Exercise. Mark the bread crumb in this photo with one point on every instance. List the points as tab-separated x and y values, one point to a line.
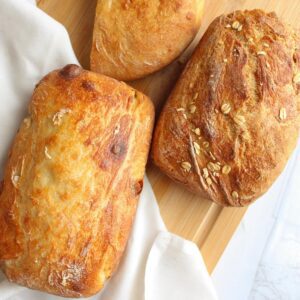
296	78
226	169
282	113
197	131
235	25
208	181
192	109
27	122
117	129
206	145
226	108
213	167
57	118
47	153
97	47
186	166
205	173
212	156
235	195
262	53
15	179
239	120
196	148
195	96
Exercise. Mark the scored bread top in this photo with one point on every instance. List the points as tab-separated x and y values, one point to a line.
133	38
72	182
232	120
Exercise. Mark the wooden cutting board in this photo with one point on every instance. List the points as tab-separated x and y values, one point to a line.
185	214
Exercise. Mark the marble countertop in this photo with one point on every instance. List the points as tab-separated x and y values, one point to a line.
262	261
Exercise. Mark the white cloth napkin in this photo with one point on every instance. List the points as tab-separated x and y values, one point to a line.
157	265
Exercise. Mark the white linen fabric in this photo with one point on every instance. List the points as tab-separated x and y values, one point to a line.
157	265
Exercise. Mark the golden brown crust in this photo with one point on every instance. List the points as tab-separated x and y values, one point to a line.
72	182
232	121
133	38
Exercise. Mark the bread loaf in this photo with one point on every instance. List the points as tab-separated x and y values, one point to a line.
232	121
133	38
72	182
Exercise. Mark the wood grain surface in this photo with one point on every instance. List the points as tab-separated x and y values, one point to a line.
185	214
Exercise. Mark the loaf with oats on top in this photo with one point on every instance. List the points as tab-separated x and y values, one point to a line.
232	120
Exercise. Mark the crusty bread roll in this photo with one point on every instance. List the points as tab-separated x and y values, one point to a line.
72	182
232	121
133	38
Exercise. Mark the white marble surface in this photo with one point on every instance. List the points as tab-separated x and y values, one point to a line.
262	261
278	274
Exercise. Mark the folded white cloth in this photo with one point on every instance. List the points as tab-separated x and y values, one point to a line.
157	265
